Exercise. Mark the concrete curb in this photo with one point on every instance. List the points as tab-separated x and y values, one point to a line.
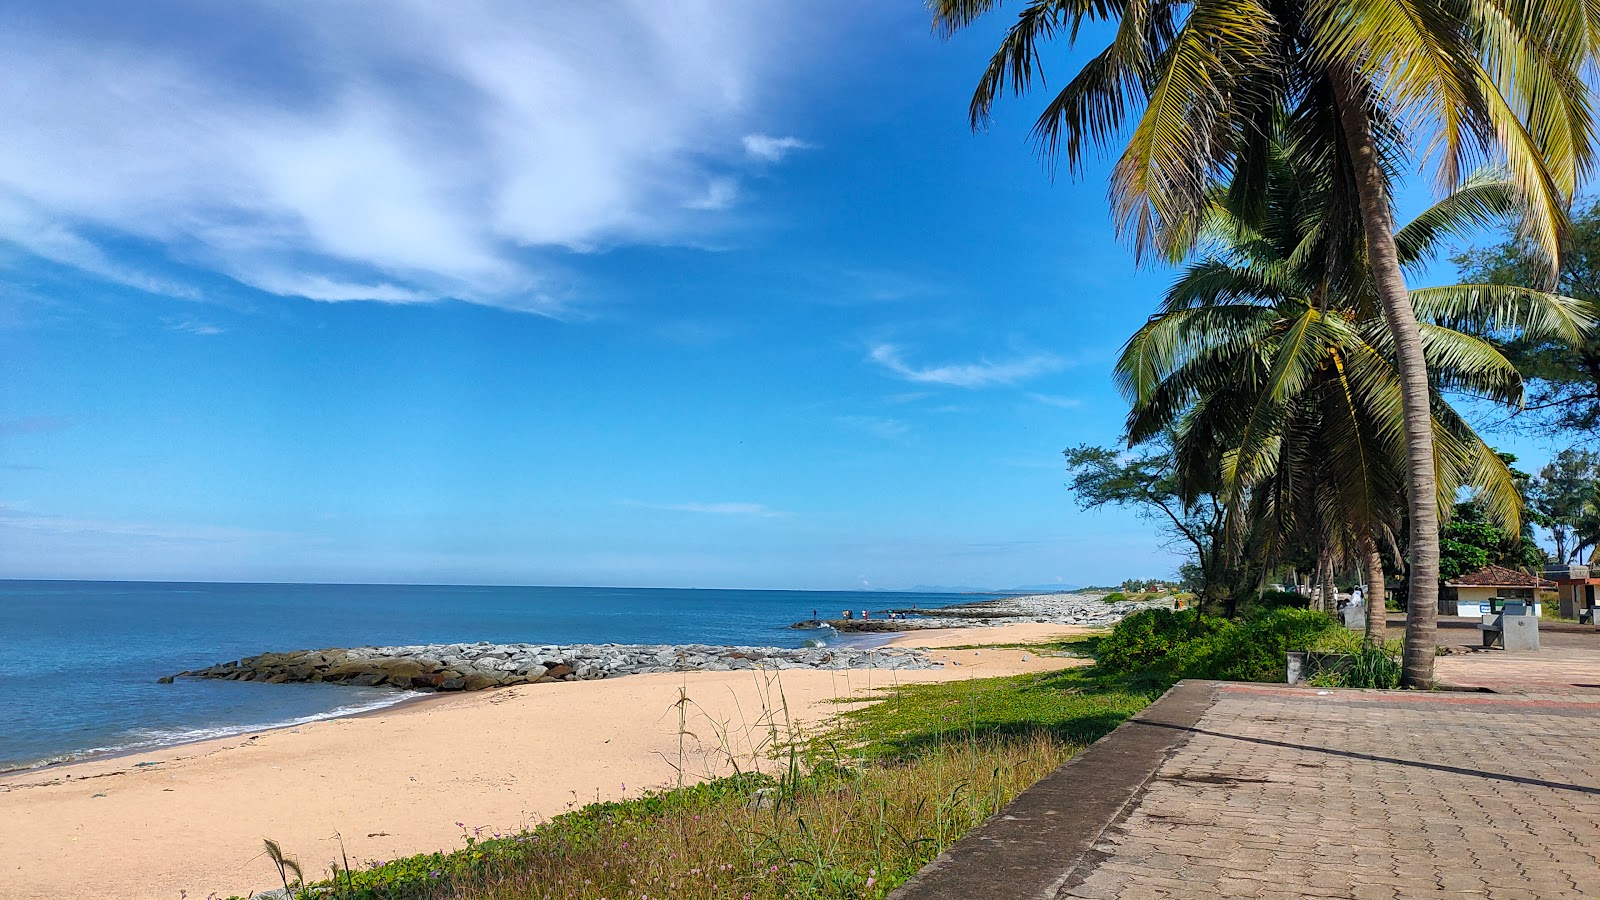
1044	840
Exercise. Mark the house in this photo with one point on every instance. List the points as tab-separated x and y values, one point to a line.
1469	594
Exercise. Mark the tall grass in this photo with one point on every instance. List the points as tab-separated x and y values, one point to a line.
851	811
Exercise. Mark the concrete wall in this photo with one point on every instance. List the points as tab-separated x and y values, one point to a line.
1465	601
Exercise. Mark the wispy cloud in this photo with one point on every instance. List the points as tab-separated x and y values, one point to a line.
756	510
1056	400
439	156
720	193
194	326
19	517
772	149
877	426
978	374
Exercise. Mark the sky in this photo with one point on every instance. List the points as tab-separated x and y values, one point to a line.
698	294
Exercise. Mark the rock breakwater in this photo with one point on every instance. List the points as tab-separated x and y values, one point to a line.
474	667
1085	609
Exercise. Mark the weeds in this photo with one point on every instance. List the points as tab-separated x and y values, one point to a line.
284	865
849	812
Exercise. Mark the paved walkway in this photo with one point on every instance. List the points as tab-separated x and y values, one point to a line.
1552	670
1234	790
1282	793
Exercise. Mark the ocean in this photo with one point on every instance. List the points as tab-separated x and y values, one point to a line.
79	659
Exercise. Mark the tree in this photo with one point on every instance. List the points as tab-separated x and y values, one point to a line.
1563	376
1263	369
1473	540
1565	498
1147	481
1196	82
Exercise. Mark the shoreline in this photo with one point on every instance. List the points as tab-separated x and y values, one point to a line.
913	637
845	643
395	780
96	755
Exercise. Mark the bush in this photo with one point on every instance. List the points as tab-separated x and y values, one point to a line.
1147	638
1189	644
1115	597
1280	600
1365	666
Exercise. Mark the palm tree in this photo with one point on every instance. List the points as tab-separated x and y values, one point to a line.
1199	82
1277	384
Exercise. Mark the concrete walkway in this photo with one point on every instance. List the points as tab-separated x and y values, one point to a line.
1235	790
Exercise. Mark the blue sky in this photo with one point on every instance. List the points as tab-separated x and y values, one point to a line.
700	294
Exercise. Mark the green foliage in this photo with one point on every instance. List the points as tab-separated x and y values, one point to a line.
1077	706
1359	666
1565	499
1563	376
1153	484
1115	597
1471	541
887	790
1270	599
1144	640
1189	644
1143	585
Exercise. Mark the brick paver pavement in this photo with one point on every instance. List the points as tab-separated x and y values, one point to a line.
1286	792
1545	671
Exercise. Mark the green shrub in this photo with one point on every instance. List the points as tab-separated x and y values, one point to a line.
1115	597
1279	600
1148	638
1365	666
1188	644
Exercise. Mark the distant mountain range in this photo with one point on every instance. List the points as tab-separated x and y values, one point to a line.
967	589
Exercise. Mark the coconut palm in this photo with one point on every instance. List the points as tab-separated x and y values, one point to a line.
1275	373
1197	84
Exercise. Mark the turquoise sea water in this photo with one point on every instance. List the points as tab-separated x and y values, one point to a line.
79	659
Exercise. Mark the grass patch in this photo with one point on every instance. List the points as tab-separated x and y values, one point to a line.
857	809
1072	706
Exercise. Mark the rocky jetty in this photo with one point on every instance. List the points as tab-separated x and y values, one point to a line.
1087	609
473	667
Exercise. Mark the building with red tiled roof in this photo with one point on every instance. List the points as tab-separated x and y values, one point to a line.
1469	594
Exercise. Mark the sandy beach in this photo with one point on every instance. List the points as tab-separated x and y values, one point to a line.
188	821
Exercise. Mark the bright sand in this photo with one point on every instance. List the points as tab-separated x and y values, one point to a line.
191	818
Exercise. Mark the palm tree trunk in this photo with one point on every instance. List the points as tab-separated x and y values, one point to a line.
1324	576
1376	599
1377	219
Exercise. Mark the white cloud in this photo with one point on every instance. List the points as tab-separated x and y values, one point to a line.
772	149
878	426
979	374
719	194
394	151
756	510
1056	400
194	326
